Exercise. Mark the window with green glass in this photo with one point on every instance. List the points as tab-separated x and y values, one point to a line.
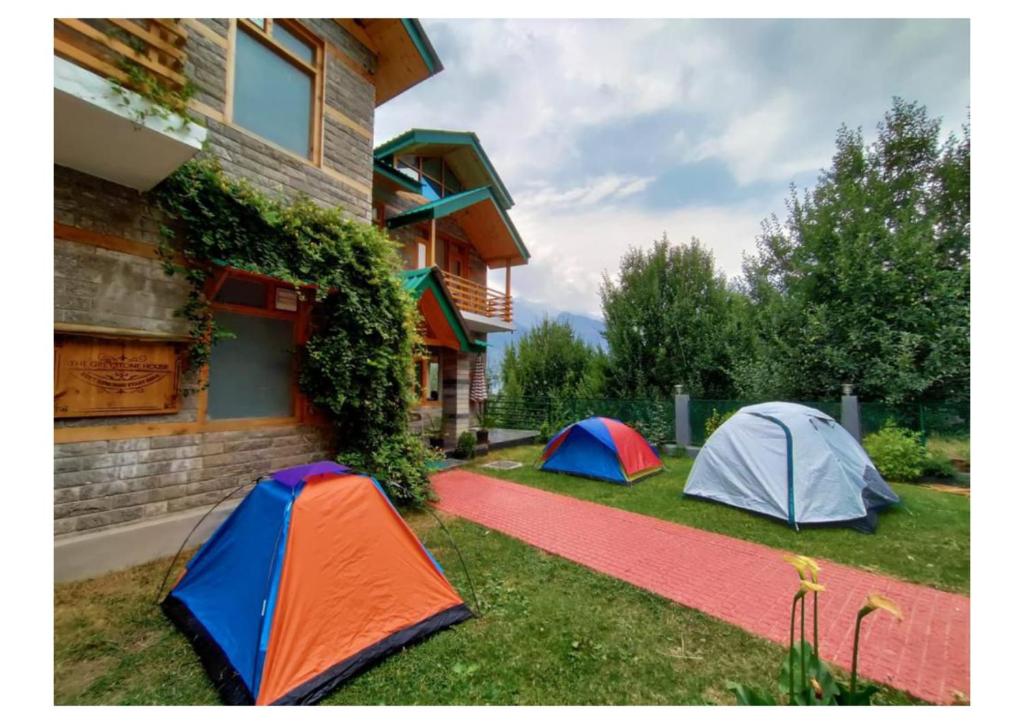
273	95
251	373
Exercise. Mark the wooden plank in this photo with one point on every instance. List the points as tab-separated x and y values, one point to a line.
229	77
358	32
206	31
167	73
344	120
93	433
347	180
110	242
67	50
208	111
93	330
172	26
150	38
352	64
103	377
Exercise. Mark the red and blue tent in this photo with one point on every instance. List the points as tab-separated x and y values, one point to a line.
312	578
601	448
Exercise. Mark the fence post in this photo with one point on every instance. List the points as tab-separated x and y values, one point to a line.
849	410
683	436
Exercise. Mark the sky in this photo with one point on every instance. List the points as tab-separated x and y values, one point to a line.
610	133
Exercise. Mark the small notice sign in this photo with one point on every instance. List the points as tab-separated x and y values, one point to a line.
286	300
104	377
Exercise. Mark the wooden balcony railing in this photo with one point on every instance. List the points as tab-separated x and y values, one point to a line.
478	299
103	45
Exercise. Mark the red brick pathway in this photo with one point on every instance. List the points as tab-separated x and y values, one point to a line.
745	584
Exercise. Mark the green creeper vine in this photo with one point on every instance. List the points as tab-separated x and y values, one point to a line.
357	366
166	101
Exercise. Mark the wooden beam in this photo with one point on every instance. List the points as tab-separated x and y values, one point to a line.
508	277
93	330
358	32
206	31
432	246
344	120
109	242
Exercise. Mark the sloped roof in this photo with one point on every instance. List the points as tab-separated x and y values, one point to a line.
482	216
419	281
460	149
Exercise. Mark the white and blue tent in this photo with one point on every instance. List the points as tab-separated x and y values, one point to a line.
790	462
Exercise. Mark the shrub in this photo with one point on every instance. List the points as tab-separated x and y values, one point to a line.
938	466
465	446
545	433
715	420
399	463
897	452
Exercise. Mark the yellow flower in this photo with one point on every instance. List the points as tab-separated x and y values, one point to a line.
818	692
806	568
876	600
810	587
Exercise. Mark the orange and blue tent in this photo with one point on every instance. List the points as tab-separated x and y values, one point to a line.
601	448
313	578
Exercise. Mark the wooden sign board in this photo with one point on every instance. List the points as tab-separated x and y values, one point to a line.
104	377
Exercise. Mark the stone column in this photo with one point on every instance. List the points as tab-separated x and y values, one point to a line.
683	436
849	410
455	371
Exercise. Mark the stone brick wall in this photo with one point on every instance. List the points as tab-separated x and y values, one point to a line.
110	482
273	170
455	368
105	483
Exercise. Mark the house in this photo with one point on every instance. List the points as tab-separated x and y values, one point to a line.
440	196
286	104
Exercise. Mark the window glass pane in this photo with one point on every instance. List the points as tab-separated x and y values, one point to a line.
251	375
432	168
421	255
293	42
272	97
431	189
434	379
452	185
250	292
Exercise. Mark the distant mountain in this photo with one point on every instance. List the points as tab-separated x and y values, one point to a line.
527	314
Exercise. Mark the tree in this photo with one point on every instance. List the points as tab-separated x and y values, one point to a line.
868	278
670	319
550	361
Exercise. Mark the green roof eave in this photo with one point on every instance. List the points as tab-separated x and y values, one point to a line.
396	177
423	46
456	202
418	281
427	136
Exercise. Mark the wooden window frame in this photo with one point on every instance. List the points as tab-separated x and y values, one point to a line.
301	410
315	70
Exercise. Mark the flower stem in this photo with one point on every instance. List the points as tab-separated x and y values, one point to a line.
816	623
792	664
856	651
803	638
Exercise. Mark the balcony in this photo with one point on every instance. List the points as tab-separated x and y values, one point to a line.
111	130
483	308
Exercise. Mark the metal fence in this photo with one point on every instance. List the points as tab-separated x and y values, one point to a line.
927	418
654	419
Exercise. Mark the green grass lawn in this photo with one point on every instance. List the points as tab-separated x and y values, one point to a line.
925	541
552	633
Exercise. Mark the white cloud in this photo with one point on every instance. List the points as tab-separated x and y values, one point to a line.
608	187
570	250
558	104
